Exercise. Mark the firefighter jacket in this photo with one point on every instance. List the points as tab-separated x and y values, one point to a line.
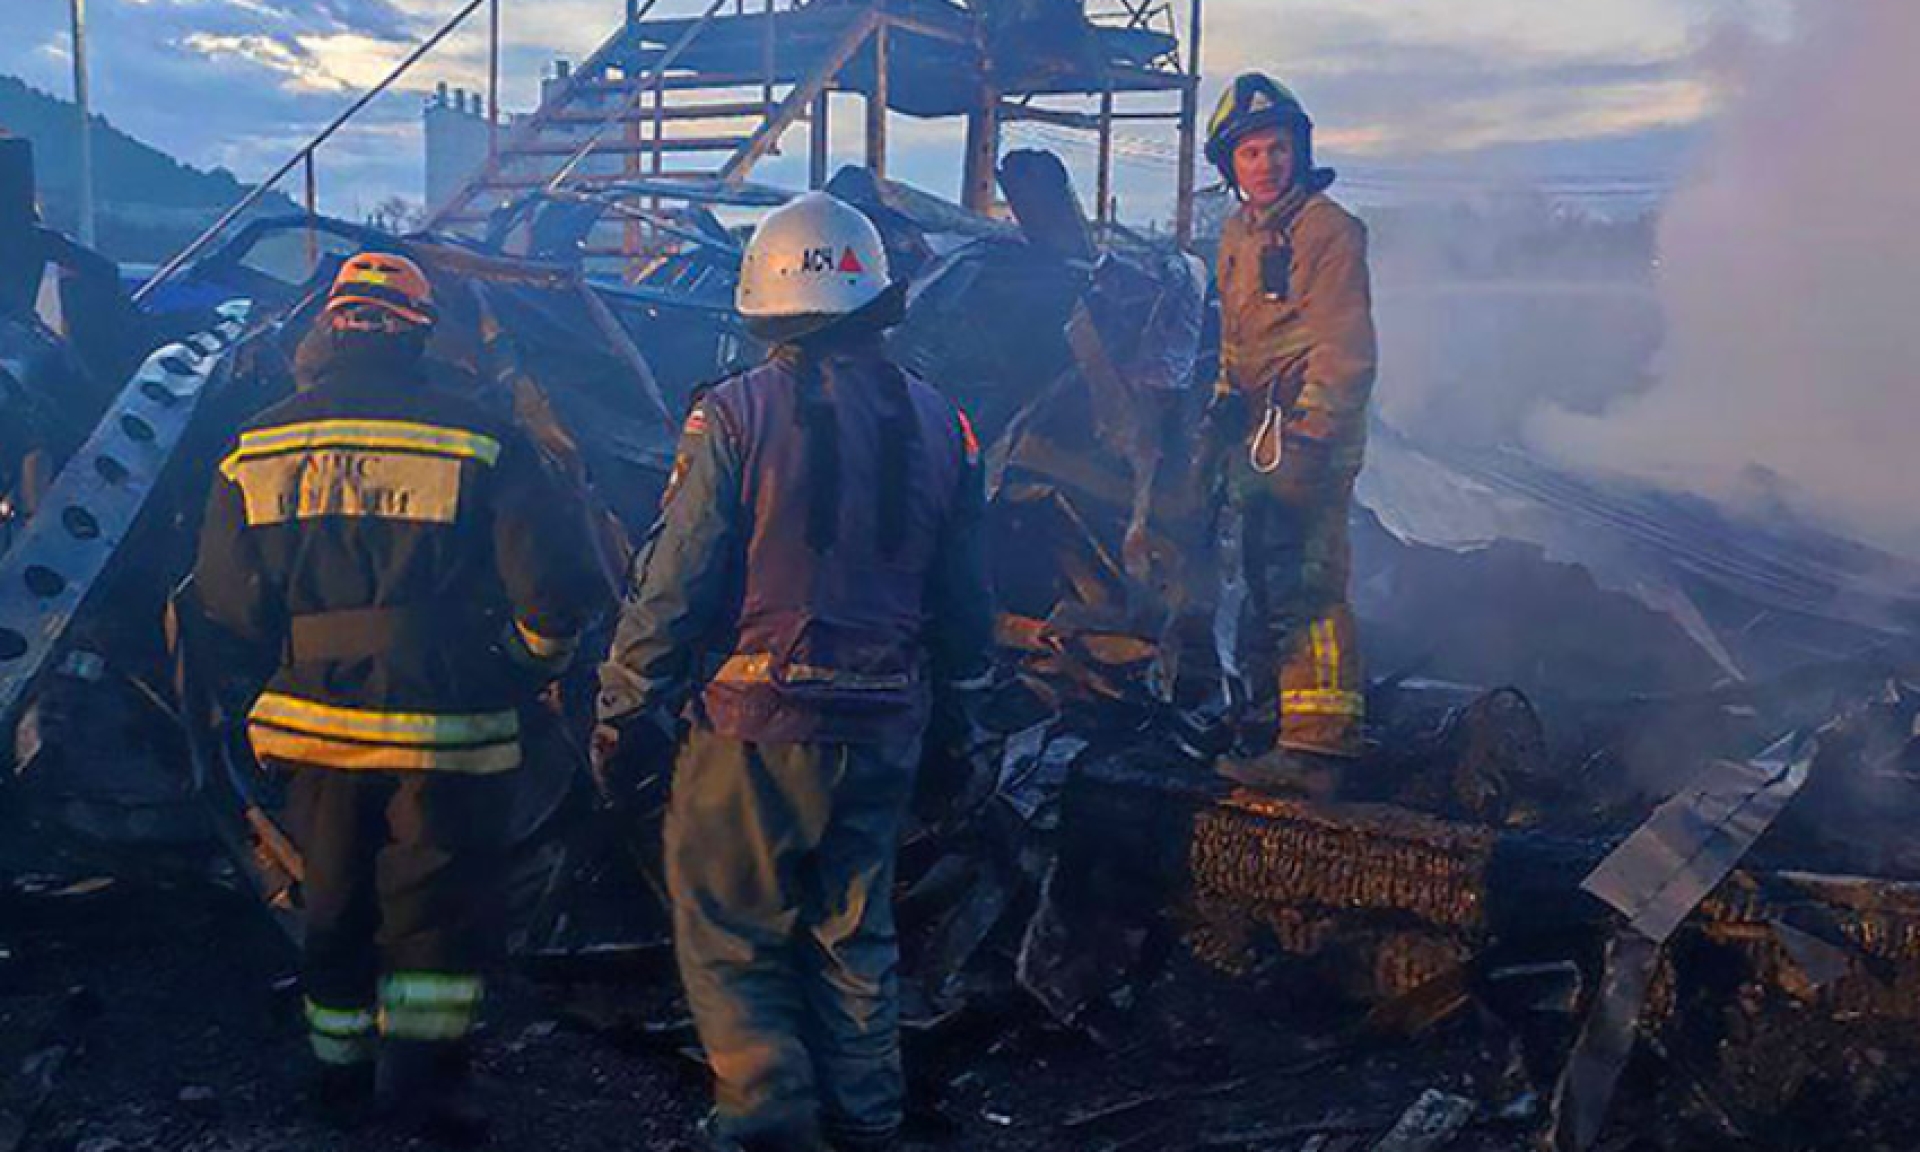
1297	339
409	557
770	590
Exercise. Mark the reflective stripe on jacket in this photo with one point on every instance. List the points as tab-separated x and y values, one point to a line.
407	558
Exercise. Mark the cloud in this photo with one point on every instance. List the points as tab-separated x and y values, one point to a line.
338	62
1398	80
241	82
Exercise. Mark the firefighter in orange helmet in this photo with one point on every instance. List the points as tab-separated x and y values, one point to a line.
398	549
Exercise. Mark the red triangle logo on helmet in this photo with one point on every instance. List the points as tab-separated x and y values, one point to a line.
850	263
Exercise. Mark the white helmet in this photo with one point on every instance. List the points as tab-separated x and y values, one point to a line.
813	262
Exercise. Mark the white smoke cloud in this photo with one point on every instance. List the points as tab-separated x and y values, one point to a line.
1790	281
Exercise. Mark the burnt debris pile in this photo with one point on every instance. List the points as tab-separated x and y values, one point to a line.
1639	768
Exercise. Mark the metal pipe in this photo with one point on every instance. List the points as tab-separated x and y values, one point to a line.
1189	131
313	216
983	155
493	78
1103	210
656	78
172	267
767	58
878	101
820	146
83	106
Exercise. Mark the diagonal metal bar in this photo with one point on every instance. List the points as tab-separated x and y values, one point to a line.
799	99
653	77
541	119
173	266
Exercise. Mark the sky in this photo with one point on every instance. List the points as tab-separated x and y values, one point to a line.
1603	86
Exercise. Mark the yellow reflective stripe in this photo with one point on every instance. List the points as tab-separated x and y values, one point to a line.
339	1022
428	1005
336	1051
349	756
1323	702
1331	644
367	434
430	989
411	729
547	647
758	669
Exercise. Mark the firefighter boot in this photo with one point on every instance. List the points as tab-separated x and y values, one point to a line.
1286	773
426	1089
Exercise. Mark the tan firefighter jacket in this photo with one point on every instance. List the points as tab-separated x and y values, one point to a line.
1297	325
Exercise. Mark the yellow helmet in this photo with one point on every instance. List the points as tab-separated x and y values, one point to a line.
1253	102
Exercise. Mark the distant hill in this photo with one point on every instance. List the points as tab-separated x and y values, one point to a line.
149	205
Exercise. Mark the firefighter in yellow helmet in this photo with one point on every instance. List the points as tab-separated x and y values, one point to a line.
1289	426
398	550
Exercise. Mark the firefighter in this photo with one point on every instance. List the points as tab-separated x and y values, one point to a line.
1297	368
815	586
399	551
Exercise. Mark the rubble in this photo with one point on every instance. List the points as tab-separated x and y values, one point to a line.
1596	815
1429	1123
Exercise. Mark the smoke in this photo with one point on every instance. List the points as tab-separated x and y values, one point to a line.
1790	283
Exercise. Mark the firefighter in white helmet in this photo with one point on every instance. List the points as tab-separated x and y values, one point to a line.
815	584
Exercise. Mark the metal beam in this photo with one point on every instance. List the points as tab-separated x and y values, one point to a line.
53	569
983	156
878	100
576	81
820	146
493	78
1103	210
1189	133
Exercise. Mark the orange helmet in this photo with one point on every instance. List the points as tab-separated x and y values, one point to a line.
393	284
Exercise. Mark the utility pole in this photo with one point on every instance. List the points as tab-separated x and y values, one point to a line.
82	105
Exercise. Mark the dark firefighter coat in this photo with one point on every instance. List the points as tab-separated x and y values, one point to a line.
410	559
789	613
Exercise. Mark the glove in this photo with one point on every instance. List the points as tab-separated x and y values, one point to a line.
1223	429
628	752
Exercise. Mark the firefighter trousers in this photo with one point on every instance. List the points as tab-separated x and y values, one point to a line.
1298	628
403	899
780	861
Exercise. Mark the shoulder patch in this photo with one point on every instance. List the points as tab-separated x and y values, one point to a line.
694	429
